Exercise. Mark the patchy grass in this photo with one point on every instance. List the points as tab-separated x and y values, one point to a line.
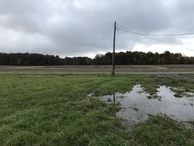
54	110
149	85
192	123
180	86
190	75
161	130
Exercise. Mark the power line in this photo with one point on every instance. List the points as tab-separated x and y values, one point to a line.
159	35
147	36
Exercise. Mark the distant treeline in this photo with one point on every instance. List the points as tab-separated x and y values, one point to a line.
141	58
28	59
121	58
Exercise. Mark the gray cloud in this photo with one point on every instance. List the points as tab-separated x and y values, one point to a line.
79	27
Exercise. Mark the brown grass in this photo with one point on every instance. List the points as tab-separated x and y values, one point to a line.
97	69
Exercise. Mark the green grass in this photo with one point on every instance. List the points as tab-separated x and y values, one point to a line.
190	75
161	130
179	86
54	110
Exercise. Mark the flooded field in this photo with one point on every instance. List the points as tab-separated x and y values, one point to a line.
52	109
137	105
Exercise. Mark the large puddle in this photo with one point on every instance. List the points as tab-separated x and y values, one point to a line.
136	106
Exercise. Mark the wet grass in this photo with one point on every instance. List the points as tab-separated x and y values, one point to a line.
192	123
161	130
54	110
190	75
180	86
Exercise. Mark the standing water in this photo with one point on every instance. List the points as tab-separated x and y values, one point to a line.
136	105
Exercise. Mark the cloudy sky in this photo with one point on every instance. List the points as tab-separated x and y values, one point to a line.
85	27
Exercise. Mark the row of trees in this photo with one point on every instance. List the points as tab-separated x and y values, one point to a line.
121	58
28	59
141	58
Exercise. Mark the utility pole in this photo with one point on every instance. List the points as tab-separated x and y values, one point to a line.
113	53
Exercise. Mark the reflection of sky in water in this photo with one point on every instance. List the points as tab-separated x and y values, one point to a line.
137	107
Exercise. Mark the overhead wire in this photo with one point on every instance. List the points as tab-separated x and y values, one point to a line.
146	36
123	28
159	35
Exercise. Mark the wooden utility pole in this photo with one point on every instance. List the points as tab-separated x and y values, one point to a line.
113	53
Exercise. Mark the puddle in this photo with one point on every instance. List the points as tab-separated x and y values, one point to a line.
136	106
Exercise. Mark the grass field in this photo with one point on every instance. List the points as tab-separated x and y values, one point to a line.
39	109
95	69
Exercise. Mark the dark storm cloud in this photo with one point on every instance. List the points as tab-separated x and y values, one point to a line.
78	27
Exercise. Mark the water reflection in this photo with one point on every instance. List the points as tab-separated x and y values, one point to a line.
114	98
136	106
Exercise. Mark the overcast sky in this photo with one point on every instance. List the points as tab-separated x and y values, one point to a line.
85	27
